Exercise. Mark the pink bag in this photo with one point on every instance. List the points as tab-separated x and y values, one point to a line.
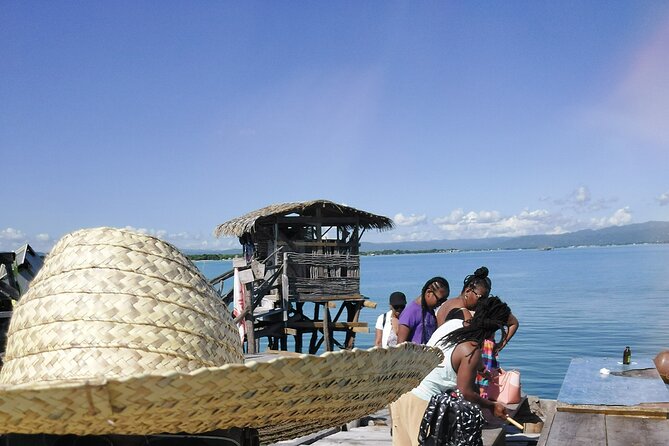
504	386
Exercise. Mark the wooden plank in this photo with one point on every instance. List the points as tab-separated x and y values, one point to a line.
571	429
246	276
493	437
313	342
626	431
327	331
285	294
239	262
322	298
359	436
353	315
325	221
655	410
248	320
319	324
548	423
258	269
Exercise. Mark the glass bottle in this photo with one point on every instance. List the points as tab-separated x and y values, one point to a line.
627	356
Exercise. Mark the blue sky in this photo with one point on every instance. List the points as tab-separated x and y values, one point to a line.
456	119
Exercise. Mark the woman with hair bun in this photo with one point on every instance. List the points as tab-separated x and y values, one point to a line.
476	286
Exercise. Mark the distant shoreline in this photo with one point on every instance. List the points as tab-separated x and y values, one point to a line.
394	252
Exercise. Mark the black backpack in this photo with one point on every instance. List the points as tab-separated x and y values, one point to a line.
451	420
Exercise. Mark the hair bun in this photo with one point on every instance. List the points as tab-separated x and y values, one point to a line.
482	272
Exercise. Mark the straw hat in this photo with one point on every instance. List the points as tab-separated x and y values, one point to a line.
119	333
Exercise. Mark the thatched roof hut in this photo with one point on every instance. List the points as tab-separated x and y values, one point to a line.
248	223
310	254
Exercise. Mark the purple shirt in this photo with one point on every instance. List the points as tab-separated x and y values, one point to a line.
411	318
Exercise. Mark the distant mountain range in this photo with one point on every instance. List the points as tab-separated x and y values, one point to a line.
649	232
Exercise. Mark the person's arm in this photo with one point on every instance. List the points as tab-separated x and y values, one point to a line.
442	313
379	337
378	341
403	333
512	325
468	357
409	320
444	309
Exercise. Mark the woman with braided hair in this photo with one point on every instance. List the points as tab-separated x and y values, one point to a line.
461	342
418	321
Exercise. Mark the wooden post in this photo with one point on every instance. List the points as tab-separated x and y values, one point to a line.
276	244
355	239
298	337
285	303
352	314
327	333
285	287
250	335
314	334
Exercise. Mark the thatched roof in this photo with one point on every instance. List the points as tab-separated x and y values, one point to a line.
248	223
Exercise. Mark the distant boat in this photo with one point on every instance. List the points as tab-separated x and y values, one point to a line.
546	248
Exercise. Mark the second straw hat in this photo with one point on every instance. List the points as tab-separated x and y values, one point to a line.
120	333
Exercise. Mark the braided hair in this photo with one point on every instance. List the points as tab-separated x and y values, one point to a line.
491	315
479	278
434	284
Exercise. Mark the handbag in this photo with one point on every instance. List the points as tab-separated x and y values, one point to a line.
504	386
451	420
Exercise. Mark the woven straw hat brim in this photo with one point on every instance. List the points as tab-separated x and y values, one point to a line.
283	398
120	333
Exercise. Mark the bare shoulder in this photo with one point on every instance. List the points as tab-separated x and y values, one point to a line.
467	348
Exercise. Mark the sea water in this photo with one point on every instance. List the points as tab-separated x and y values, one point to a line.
571	302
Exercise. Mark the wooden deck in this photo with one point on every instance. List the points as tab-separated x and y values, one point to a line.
375	431
593	410
598	429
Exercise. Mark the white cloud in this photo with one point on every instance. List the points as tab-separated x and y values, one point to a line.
484	224
582	195
454	217
43	237
663	199
190	240
409	220
412	237
183	236
160	233
620	217
581	200
12	234
11	238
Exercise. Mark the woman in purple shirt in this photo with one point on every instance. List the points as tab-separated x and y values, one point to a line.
418	321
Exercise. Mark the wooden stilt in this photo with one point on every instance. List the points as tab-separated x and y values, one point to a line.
327	333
